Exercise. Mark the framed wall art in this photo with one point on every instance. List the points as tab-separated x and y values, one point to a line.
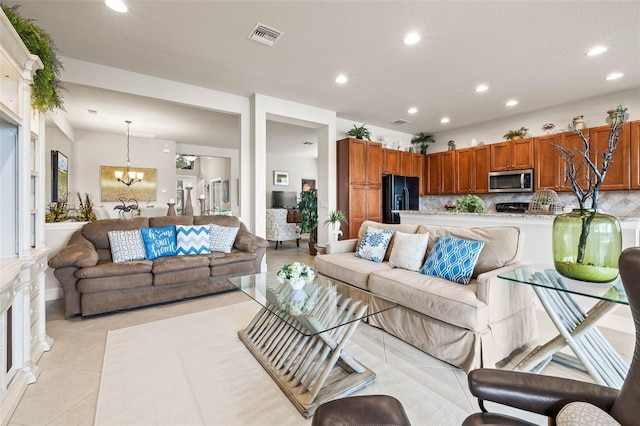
225	191
280	178
308	184
59	177
112	190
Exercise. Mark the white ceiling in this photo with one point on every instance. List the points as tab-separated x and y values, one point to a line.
532	51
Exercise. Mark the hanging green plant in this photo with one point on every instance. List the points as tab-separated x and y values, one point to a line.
46	89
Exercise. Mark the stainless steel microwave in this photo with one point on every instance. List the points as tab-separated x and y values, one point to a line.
511	181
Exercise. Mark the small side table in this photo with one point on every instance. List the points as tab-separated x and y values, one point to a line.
577	328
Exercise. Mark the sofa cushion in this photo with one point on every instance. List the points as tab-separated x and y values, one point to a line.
408	251
453	259
181	276
409	229
126	245
110	269
109	283
435	297
231	221
221	238
96	232
374	243
348	268
192	239
178	263
162	221
502	244
159	242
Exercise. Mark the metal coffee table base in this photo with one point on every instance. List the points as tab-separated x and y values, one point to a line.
310	369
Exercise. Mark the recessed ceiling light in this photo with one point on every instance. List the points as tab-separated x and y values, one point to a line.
412	38
482	88
596	50
614	76
444	120
511	102
412	110
341	79
117	5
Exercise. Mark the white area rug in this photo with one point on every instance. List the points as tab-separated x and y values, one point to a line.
193	370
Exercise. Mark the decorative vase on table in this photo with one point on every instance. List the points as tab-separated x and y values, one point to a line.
587	245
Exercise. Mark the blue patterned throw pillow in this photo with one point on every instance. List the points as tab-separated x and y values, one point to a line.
221	238
374	244
453	259
159	242
126	245
192	239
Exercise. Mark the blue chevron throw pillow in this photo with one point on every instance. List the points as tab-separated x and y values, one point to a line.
192	239
453	259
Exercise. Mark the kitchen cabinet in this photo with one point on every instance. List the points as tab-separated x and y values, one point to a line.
440	173
359	175
472	170
417	169
405	163
391	162
512	155
617	177
635	154
548	166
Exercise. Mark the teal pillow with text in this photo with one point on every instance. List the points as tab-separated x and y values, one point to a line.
159	242
453	259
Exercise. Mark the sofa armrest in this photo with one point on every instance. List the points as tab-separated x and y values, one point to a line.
536	393
343	246
79	253
246	241
492	289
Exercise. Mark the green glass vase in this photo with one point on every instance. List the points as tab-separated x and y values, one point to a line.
587	245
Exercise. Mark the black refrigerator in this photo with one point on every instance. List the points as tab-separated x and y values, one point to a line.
399	193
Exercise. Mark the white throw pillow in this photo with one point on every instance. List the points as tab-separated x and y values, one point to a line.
408	250
221	238
126	245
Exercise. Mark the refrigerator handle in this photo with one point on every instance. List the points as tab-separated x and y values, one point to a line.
405	193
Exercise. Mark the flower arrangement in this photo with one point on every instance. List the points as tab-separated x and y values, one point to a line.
297	273
85	211
57	212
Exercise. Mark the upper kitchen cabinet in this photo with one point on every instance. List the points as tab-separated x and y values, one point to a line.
635	154
512	155
391	161
472	170
617	177
440	174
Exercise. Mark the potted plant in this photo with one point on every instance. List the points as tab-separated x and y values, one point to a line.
308	206
516	134
587	244
46	89
335	218
359	132
422	140
470	204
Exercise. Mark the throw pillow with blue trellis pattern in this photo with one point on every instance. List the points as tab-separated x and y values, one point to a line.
221	238
192	239
453	259
374	244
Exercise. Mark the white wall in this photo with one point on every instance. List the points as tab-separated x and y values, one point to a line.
594	111
214	168
387	136
298	167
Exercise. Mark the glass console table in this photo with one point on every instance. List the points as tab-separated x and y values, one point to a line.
577	328
299	336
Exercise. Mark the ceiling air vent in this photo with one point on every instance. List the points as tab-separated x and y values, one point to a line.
399	122
265	35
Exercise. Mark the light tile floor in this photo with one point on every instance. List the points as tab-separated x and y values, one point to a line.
66	391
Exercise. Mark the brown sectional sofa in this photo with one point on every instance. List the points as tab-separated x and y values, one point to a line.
469	326
93	284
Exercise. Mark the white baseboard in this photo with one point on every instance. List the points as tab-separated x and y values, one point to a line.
53	294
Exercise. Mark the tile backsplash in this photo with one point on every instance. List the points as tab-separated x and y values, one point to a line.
616	203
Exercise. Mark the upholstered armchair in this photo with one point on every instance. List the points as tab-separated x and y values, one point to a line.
565	401
279	230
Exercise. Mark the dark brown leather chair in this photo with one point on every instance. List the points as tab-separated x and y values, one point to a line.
361	410
548	395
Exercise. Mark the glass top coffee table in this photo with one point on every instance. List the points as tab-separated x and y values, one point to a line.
299	336
563	299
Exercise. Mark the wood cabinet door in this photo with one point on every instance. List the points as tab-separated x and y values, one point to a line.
573	142
357	161
522	154
635	154
374	204
448	173
357	210
405	163
617	177
464	170
391	161
547	167
433	173
481	159
374	163
500	156
416	165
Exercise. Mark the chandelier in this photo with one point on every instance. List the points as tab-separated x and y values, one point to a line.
129	177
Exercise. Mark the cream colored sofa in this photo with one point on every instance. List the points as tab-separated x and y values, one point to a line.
469	326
